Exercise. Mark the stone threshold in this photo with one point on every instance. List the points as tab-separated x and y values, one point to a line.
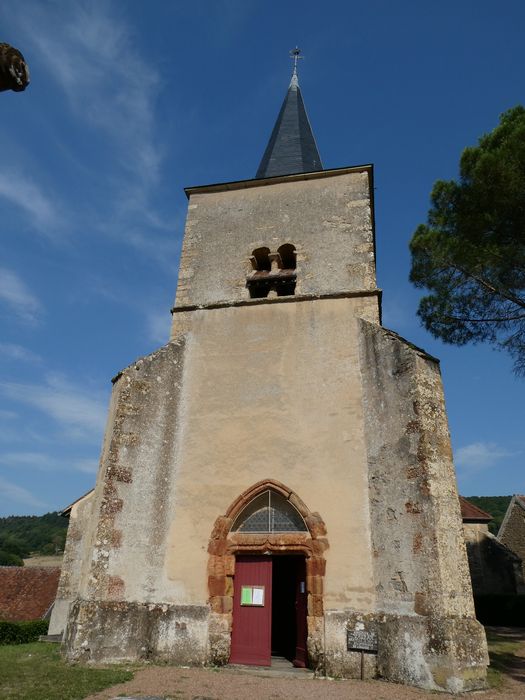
280	668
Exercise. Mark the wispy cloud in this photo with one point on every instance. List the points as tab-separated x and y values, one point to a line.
28	459
158	325
164	251
48	462
89	49
88	466
75	410
18	494
26	194
480	455
93	54
17	296
12	351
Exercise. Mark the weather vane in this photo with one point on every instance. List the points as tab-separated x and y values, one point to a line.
295	55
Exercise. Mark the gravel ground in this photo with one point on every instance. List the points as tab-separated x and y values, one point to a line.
226	684
205	684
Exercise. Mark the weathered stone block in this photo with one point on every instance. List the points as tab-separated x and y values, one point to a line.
433	653
319	546
316	525
341	662
314	585
228	587
216	565
116	587
121	631
315	605
217	547
221	528
316	566
217	585
229	564
221	604
116	538
298	503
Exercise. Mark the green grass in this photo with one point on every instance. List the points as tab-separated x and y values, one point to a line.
502	658
494	678
38	672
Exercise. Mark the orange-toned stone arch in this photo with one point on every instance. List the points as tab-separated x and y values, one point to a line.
224	545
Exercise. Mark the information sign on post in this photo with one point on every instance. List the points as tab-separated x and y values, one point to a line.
361	640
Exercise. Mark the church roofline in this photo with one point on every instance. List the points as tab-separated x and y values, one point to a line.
294	177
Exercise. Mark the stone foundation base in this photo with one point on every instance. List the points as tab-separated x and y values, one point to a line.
59	616
121	631
442	654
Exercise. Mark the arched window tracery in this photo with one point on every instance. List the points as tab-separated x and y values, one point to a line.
269	512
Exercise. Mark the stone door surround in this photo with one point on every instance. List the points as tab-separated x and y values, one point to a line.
224	545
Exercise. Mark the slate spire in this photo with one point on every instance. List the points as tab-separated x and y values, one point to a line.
292	147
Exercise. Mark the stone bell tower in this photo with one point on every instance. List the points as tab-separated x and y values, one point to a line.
278	478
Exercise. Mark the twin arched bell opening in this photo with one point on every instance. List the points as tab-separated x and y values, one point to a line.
273	272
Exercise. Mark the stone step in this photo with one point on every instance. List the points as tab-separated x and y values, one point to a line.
280	668
53	638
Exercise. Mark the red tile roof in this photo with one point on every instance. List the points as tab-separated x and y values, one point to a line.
27	593
471	513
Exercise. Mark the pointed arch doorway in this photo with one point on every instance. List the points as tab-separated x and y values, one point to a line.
269	610
269	548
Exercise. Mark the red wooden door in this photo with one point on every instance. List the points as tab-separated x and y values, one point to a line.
251	627
300	615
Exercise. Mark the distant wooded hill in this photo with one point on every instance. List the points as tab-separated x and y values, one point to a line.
494	505
22	535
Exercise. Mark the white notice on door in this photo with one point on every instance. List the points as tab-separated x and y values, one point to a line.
258	596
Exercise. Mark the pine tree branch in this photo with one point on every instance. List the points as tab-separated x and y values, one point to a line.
491	288
496	319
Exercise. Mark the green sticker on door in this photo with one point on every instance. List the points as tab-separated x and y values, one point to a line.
252	595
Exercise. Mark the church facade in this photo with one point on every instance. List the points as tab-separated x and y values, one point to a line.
278	478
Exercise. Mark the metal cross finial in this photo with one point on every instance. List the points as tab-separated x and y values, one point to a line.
295	55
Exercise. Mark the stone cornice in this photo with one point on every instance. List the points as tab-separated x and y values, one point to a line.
280	300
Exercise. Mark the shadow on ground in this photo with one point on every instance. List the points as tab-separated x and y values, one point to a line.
506	651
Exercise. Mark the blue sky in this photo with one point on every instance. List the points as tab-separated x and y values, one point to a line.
130	102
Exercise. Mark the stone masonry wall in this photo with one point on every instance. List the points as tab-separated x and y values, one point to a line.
512	532
103	631
74	553
127	605
421	572
346	414
133	522
328	219
494	568
190	430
